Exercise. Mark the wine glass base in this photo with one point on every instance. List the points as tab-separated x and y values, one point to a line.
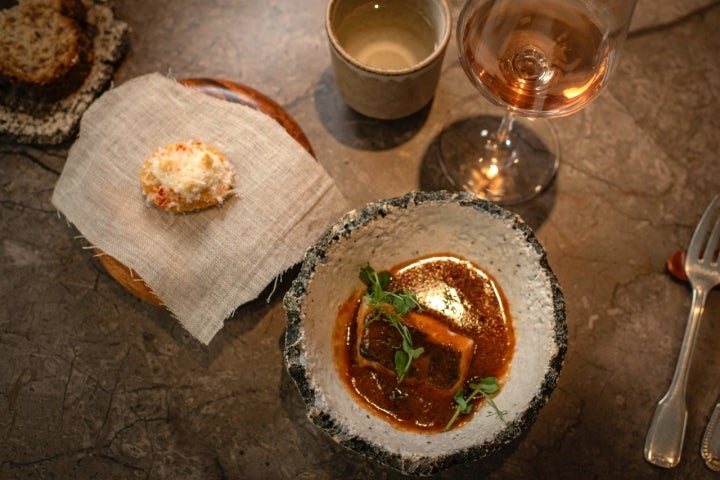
506	172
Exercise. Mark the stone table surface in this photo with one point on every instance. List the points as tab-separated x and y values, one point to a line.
95	383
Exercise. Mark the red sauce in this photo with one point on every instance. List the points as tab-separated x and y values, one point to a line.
464	327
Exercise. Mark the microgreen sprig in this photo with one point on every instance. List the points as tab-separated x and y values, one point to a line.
463	405
392	307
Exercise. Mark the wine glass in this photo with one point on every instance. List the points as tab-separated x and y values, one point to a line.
535	59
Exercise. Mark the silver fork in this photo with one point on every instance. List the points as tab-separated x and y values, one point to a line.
664	441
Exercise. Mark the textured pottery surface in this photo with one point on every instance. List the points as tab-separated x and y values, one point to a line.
390	232
389	94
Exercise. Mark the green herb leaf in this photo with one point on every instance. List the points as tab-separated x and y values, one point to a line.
392	307
365	273
407	339
402	364
463	405
404	303
487	385
377	281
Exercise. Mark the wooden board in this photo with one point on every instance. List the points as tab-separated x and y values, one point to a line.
225	90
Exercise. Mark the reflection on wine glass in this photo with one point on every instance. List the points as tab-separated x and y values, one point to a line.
534	59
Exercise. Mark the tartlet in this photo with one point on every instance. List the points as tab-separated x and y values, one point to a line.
186	176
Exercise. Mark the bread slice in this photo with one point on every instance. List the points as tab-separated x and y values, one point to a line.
186	176
47	53
49	113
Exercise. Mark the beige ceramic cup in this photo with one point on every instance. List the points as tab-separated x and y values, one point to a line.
387	54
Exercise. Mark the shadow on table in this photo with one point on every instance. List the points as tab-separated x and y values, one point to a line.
359	131
244	319
534	212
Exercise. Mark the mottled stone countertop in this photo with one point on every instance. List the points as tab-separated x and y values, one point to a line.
95	383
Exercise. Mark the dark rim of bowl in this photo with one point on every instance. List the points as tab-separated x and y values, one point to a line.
295	355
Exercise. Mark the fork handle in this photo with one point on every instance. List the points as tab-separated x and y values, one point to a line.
664	441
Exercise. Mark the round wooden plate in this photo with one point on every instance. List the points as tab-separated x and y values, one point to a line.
225	90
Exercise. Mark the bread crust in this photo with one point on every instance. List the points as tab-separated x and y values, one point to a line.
55	123
47	53
186	176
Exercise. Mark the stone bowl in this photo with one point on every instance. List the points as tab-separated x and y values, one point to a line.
386	233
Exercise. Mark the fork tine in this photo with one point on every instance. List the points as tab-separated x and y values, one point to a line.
712	245
697	241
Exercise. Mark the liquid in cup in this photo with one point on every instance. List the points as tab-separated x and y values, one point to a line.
387	55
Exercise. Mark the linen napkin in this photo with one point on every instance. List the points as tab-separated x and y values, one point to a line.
201	265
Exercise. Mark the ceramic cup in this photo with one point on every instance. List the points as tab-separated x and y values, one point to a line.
387	54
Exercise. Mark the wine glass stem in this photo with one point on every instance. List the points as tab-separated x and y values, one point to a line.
503	132
499	149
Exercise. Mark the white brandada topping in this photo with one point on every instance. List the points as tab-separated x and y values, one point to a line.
192	172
